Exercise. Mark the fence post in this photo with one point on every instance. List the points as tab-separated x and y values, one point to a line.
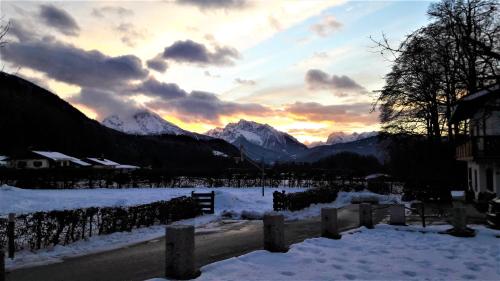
179	252
365	215
274	232
2	265
397	214
329	223
11	233
212	203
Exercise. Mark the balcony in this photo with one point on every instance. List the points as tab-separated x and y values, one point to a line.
480	147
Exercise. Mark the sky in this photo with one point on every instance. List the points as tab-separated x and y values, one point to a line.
306	67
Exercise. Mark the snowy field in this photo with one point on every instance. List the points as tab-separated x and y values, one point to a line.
383	253
22	201
230	203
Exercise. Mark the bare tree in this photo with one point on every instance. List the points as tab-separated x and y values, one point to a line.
456	54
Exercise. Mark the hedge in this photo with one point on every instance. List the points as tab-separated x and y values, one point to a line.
300	200
46	229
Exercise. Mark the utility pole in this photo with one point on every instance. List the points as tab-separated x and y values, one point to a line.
261	168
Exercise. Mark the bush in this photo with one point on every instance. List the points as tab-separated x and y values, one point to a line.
300	200
45	229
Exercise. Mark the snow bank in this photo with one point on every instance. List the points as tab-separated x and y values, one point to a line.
384	253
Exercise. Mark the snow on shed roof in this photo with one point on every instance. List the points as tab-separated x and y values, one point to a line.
103	161
58	156
127	167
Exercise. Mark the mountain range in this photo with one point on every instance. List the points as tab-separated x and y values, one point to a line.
34	118
261	142
38	119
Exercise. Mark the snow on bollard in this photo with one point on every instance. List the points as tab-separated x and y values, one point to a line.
397	216
329	223
2	265
179	252
274	233
365	215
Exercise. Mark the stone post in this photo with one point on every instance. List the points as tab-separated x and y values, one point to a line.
329	223
459	220
179	252
274	233
397	214
365	215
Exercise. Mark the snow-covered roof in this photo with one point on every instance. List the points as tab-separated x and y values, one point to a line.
127	167
104	162
376	176
3	159
58	156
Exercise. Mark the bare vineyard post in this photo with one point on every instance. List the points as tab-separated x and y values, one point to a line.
11	234
2	265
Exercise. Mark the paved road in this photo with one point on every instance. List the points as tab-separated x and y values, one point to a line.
145	260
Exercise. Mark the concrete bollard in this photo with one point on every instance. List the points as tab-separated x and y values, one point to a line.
329	223
274	233
2	265
365	215
459	220
397	214
179	252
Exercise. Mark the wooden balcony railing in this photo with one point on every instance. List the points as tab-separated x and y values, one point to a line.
479	147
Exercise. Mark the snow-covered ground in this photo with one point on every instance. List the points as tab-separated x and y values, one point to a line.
383	253
230	203
20	201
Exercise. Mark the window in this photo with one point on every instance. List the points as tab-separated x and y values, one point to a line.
475	179
37	164
489	179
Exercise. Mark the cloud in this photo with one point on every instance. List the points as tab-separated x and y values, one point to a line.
245	82
319	80
209	74
104	103
129	34
112	10
326	26
343	113
206	107
191	52
215	4
73	65
157	63
59	19
18	30
154	88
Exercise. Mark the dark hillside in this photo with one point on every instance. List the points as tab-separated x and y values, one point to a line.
32	117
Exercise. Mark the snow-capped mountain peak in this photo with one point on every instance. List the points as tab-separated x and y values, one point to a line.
341	137
252	135
143	123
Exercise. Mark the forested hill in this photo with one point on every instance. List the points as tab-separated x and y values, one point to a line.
34	118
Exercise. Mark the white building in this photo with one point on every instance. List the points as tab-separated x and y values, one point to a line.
45	159
103	163
481	150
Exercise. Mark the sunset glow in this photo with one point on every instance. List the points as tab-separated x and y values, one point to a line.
305	67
